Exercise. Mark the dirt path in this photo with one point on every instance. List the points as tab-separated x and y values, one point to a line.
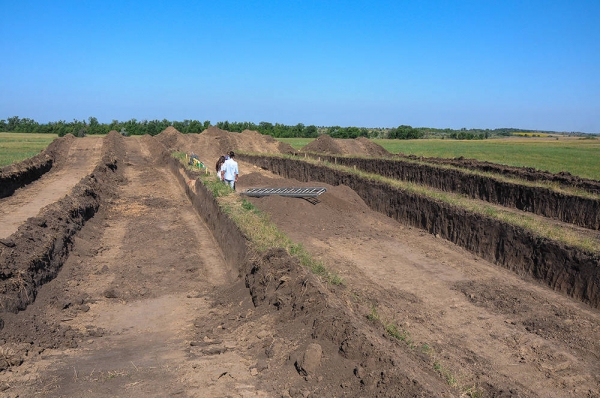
135	290
483	324
26	202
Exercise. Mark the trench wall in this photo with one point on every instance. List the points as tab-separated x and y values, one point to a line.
35	253
525	173
584	212
231	240
304	298
20	174
565	269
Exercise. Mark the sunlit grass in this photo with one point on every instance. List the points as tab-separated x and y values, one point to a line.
578	157
16	147
296	143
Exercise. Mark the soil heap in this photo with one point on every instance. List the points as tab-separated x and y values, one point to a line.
360	146
214	142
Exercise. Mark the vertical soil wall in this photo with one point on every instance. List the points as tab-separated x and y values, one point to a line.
584	212
525	173
277	280
35	253
20	174
232	241
565	269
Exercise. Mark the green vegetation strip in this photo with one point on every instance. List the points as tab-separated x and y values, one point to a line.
256	225
16	147
402	335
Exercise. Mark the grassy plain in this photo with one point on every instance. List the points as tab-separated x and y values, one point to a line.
296	143
15	147
577	156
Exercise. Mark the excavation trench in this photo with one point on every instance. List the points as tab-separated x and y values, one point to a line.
305	310
525	173
566	269
279	285
295	307
23	173
35	253
578	210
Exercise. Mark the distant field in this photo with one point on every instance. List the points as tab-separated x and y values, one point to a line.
296	143
577	156
15	147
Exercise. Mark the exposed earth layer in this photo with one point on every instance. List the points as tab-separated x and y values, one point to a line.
137	284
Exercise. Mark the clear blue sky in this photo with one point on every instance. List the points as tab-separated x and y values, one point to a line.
475	64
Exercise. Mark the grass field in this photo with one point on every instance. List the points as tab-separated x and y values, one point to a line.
296	143
577	156
15	147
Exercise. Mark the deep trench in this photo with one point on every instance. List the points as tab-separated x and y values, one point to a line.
566	269
579	210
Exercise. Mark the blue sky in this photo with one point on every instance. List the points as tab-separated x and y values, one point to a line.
474	64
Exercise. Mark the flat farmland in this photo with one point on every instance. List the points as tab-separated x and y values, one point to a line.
15	147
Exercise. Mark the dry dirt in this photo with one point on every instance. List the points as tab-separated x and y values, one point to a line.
81	159
146	304
360	146
486	325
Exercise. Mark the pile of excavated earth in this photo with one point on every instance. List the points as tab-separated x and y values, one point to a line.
120	275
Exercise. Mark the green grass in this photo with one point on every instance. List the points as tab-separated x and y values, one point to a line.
296	143
16	147
578	157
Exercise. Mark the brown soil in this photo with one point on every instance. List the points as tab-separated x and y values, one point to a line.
487	325
75	160
158	295
580	210
360	146
18	175
214	142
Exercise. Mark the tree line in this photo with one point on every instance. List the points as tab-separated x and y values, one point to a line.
277	130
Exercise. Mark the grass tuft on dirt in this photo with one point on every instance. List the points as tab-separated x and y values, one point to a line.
256	225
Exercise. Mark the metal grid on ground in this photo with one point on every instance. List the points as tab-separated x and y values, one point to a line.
293	192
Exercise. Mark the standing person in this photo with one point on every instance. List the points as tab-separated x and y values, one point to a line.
219	165
230	171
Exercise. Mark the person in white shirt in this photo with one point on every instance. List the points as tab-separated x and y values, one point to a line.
229	171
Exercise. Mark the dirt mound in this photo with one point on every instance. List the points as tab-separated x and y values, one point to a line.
214	142
338	199
169	137
360	146
324	144
372	148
